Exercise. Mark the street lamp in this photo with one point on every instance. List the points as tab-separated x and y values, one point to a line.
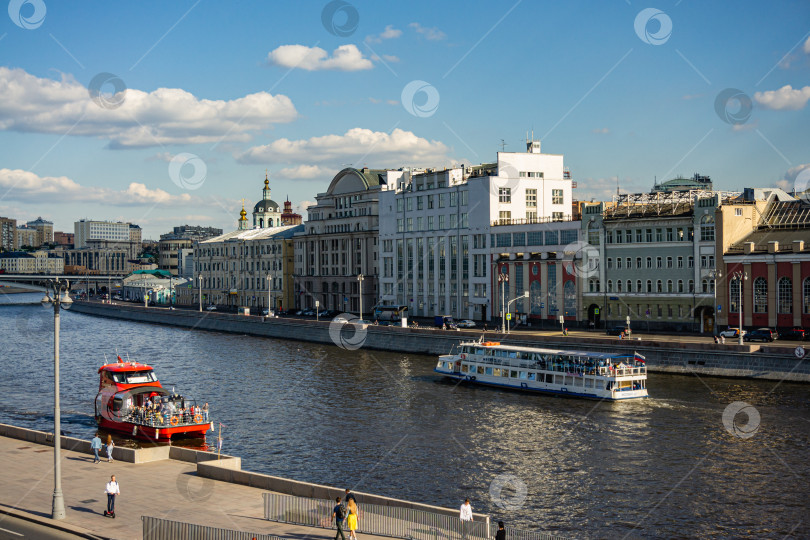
199	280
740	276
360	279
60	299
269	282
503	279
714	274
515	299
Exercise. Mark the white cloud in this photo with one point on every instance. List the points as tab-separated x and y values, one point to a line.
305	172
390	58
601	131
161	156
806	47
393	102
432	34
786	98
389	33
387	149
302	206
163	116
26	186
344	58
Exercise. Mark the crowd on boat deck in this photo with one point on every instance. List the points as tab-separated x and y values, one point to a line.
167	410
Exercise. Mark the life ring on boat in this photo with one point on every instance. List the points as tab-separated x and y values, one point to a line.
174	420
463	356
198	419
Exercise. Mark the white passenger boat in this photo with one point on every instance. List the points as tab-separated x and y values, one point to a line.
569	373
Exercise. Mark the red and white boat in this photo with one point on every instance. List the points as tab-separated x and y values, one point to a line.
132	401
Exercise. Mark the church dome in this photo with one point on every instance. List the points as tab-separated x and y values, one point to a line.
267	205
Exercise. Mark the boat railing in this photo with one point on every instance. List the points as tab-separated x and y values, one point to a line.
563	367
166	419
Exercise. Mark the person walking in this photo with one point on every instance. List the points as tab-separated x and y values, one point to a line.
339	514
110	446
112	491
95	444
352	520
466	517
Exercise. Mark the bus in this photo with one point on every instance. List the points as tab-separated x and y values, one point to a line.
390	313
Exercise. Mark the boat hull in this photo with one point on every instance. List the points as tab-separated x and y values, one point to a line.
556	390
158	434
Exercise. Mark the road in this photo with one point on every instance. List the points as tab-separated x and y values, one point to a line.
13	528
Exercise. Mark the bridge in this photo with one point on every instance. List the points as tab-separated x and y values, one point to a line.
35	282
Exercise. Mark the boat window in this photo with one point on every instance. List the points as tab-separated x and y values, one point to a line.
439	365
549	378
505	373
522	374
489	371
532	376
140	377
514	374
481	370
497	372
117	404
464	368
480	351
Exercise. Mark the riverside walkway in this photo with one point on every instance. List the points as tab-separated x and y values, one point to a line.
167	489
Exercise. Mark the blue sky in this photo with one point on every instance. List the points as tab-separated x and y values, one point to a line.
213	93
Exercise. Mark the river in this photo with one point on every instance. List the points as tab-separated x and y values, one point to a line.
382	422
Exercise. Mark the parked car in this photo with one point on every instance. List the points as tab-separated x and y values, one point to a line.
212	307
797	334
268	313
732	333
309	313
761	334
619	330
466	323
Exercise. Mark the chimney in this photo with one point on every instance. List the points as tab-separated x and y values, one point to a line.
748	247
773	246
798	246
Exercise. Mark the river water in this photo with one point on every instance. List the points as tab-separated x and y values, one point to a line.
382	422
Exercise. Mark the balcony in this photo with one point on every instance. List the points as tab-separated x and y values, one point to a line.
530	221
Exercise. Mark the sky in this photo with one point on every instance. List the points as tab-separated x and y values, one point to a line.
169	113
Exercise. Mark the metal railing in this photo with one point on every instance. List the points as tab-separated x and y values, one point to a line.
164	419
391	521
164	529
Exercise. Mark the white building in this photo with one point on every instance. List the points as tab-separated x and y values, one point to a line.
38	262
113	231
435	248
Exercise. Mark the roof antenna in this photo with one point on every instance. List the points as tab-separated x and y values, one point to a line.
503	145
617	186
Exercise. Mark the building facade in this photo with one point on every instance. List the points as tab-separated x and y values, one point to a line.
339	243
63	238
44	230
26	237
37	262
181	238
86	230
8	234
436	247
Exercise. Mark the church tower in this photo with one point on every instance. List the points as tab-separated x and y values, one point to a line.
266	213
243	222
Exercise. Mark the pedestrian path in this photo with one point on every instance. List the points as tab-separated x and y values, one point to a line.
167	489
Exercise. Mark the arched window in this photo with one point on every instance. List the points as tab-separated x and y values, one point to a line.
570	299
784	296
704	285
638	286
659	286
609	286
669	285
734	296
536	293
618	285
691	285
806	287
760	295
649	285
707	228
680	285
629	286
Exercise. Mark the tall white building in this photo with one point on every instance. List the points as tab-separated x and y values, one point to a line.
436	255
112	231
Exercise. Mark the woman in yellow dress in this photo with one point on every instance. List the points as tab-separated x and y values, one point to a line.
351	521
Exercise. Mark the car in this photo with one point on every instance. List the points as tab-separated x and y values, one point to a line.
761	334
324	313
211	308
466	323
732	333
299	312
268	313
619	330
309	313
796	334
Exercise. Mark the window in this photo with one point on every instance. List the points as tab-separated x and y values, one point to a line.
784	296
629	262
638	286
619	236
505	195
409	204
618	263
618	285
691	285
658	262
505	215
556	196
649	285
531	216
649	262
639	235
442	222
442	200
629	286
400	204
738	211
690	262
669	285
669	262
610	263
400	225
531	198
453	198
430	202
638	262
680	262
806	295
556	216
760	295
704	286
680	285
670	235
609	285
430	223
659	235
707	228
734	296
420	202
659	286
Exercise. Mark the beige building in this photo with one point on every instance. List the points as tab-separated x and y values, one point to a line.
340	242
100	260
26	237
181	238
8	234
44	230
37	262
248	268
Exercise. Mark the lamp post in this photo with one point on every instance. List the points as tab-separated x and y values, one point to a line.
515	299
199	280
714	275
269	282
740	276
60	299
503	279
360	279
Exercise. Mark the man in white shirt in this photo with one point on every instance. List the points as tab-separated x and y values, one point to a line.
111	491
465	515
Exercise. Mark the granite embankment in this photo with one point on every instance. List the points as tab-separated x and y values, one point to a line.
746	361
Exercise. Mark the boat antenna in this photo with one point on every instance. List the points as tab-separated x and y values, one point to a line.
105	358
127	356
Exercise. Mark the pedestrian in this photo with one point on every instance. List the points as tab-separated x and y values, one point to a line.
716	339
112	490
466	517
352	521
95	444
722	340
339	514
501	534
110	446
205	412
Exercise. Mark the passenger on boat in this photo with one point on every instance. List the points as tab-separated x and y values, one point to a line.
205	412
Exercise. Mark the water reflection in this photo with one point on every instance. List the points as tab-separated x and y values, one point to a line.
383	422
